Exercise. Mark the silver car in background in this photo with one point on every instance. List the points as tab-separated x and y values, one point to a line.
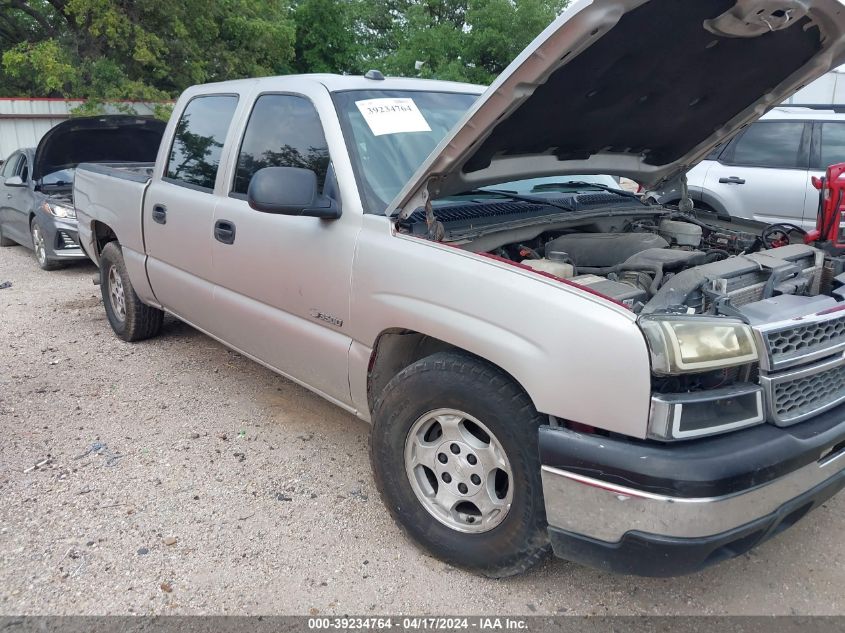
765	172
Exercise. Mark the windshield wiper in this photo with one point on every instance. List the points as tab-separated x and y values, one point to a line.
595	185
519	197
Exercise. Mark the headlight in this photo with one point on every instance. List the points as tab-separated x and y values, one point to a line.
683	345
59	210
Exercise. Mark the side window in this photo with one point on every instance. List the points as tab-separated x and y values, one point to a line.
833	144
23	169
283	131
10	166
770	144
198	141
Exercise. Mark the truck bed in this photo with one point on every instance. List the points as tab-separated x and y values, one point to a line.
112	194
138	172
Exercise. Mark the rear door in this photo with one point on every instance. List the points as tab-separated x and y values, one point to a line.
283	282
179	207
763	174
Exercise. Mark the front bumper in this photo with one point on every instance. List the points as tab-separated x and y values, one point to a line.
640	508
62	239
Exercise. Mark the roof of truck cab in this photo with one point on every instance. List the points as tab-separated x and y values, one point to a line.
340	83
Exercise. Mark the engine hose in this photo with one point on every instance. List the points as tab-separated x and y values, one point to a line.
714	252
656	269
784	228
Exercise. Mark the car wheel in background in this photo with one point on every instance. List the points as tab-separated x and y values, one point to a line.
39	246
130	319
454	452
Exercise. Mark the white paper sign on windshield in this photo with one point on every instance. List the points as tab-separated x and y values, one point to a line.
392	116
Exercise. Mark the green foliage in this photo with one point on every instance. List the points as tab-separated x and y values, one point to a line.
466	40
148	50
325	41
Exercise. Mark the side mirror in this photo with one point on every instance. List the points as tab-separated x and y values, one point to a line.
290	191
14	181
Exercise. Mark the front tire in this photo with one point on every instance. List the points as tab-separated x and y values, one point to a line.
454	452
130	318
39	246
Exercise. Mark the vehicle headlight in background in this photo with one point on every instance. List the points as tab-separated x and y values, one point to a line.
683	345
59	210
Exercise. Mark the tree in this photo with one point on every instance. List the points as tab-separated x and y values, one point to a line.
466	40
325	41
109	50
138	49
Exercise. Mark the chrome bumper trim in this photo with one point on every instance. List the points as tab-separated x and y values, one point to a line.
606	511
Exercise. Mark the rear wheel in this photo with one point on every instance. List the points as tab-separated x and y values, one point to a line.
39	245
129	317
454	452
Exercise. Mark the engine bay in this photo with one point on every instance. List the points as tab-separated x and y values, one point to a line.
652	259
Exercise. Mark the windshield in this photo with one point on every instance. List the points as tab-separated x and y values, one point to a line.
391	132
61	178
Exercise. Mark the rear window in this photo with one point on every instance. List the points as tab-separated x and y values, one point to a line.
833	144
198	141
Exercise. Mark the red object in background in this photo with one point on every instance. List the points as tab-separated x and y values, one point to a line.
829	229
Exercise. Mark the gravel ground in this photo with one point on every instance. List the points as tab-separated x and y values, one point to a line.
184	478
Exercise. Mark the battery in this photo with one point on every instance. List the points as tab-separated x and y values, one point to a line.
623	293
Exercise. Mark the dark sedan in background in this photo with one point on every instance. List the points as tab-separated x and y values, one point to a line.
36	205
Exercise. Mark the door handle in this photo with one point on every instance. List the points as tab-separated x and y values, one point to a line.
160	213
8	195
733	180
224	231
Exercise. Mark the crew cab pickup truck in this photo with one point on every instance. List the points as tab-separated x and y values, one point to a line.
547	363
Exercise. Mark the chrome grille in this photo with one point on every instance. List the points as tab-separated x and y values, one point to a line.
794	399
806	340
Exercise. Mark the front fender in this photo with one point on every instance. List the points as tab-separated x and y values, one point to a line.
578	356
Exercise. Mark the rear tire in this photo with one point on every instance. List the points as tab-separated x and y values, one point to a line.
39	246
454	451
131	319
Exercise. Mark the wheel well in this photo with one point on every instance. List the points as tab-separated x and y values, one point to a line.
397	349
103	234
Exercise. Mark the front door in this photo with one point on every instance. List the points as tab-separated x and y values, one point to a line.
282	283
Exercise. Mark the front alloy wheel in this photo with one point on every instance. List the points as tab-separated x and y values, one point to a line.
39	245
459	471
453	448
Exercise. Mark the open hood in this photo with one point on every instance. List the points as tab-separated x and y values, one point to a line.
636	88
101	139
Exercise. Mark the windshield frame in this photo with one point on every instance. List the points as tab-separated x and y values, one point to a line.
361	182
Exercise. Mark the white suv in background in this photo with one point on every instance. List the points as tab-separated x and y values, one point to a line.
764	173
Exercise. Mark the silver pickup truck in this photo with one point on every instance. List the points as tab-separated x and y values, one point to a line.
547	362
